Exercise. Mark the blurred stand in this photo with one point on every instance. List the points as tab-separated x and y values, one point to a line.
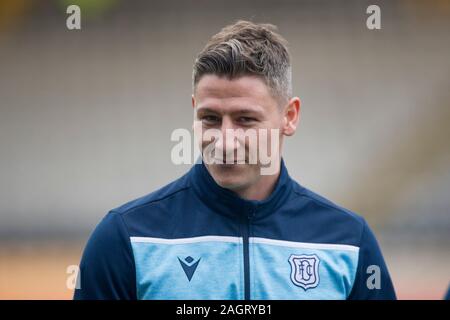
86	118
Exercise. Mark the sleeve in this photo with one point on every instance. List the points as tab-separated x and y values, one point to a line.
107	269
447	295
372	281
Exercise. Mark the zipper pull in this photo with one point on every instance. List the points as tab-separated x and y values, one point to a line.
251	214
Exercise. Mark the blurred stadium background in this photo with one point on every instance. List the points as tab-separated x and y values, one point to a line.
86	118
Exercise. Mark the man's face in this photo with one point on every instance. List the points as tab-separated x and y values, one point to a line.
244	103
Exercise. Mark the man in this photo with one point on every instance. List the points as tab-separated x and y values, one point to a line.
226	229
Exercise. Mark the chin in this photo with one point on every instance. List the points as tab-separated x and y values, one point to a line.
230	176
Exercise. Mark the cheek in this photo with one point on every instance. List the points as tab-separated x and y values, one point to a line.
277	124
200	138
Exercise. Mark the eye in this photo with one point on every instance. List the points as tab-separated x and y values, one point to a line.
210	119
246	119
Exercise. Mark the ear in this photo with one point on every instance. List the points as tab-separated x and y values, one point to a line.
291	116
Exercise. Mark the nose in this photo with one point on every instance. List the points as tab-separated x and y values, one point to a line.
228	143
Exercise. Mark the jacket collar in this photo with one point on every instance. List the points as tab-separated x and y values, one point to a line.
227	202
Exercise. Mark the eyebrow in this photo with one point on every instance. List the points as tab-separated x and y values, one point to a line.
206	110
244	110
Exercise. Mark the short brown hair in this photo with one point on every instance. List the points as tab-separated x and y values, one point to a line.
247	48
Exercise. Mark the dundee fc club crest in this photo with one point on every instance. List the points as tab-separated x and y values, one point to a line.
305	270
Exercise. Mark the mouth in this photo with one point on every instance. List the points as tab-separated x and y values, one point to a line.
230	163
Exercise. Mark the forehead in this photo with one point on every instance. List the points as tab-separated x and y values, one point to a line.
220	92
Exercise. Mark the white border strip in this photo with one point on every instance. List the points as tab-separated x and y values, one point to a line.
304	245
186	240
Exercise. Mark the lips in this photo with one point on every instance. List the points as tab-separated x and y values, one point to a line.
223	161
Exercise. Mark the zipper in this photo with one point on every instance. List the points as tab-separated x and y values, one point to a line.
245	235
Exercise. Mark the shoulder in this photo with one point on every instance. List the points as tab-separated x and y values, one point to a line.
340	223
165	193
153	214
331	208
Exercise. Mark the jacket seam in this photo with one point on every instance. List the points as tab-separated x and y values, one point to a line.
358	266
130	247
329	205
152	201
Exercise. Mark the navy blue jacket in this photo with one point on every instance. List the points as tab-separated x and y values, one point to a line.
193	239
